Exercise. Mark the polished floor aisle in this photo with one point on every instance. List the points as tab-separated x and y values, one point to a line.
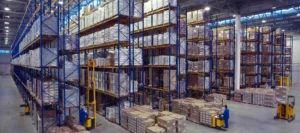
10	100
244	118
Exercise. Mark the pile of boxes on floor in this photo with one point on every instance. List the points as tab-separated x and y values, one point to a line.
262	96
143	119
200	111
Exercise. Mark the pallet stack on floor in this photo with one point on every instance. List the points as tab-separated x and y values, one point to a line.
143	119
262	96
199	111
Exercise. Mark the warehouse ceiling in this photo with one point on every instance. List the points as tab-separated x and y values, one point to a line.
11	14
224	8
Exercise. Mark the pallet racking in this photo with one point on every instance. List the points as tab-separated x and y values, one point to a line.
223	52
51	89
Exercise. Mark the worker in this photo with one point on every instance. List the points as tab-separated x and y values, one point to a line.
83	116
226	116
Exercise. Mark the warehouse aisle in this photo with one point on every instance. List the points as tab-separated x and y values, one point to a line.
10	100
246	118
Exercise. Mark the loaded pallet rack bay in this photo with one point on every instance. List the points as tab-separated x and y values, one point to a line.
199	53
48	80
223	51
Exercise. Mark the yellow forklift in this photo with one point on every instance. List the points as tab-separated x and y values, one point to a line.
286	110
218	122
90	122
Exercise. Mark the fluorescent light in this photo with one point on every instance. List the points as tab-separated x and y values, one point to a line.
197	26
6	9
234	15
273	7
7	16
207	8
6	22
6	33
60	2
282	30
6	27
7	30
263	21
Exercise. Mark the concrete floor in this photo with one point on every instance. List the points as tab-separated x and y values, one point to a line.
244	118
10	100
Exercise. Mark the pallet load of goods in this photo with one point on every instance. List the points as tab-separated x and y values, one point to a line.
143	119
262	96
200	111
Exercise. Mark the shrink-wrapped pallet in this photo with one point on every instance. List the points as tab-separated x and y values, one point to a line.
281	93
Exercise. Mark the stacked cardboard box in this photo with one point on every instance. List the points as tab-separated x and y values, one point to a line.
169	79
163	105
180	123
206	115
257	96
144	121
281	93
168	123
176	106
155	129
247	96
199	66
132	121
238	96
218	98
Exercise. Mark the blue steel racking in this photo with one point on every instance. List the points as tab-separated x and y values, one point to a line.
24	74
207	39
131	69
229	57
41	11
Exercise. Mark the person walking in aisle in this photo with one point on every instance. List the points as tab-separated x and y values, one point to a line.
226	116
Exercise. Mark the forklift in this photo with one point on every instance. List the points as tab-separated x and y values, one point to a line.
90	122
286	110
218	122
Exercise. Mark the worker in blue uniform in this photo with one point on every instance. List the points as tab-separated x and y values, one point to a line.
83	116
226	116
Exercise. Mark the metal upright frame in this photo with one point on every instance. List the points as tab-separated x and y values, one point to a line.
67	9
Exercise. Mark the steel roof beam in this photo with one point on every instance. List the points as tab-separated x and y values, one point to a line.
12	12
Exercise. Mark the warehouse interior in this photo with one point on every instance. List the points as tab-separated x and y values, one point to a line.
149	66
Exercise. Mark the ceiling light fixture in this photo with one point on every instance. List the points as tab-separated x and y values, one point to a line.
7	30
60	2
263	21
282	30
207	8
6	9
6	22
7	16
298	14
6	27
274	7
234	15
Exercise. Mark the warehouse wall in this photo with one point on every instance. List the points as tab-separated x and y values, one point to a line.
5	63
296	61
